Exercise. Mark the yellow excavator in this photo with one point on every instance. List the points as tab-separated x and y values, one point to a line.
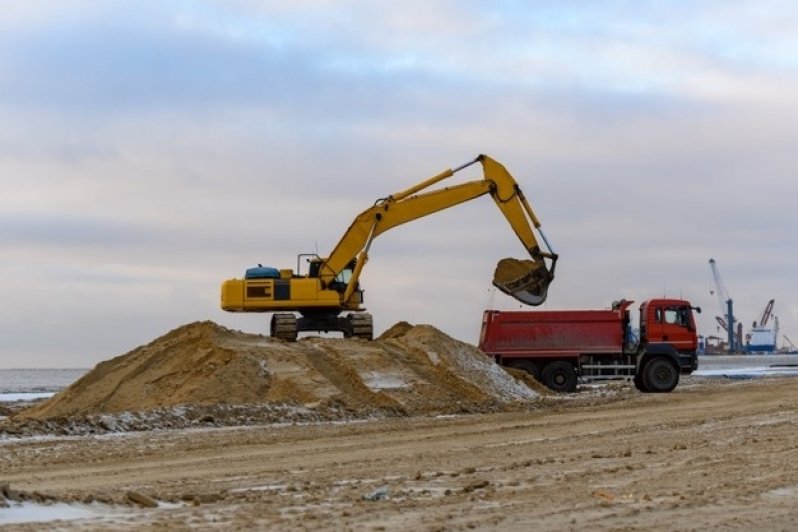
331	287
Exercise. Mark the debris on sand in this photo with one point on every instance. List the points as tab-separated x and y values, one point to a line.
408	370
379	494
142	500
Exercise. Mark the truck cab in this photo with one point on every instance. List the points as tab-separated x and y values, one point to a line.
670	322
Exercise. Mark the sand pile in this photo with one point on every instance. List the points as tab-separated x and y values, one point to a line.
407	370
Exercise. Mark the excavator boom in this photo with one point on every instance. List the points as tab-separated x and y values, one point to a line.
526	280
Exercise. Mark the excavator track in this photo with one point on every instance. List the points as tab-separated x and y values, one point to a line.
362	325
284	326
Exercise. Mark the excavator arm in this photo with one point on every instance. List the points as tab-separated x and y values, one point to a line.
526	280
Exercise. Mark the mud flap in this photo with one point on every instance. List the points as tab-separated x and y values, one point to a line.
525	280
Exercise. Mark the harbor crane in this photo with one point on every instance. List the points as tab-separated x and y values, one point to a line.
766	314
726	304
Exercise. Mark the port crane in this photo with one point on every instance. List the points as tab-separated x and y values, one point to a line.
726	305
766	314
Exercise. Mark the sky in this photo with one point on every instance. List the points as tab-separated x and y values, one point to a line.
150	150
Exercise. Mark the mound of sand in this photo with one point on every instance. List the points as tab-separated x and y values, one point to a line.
408	370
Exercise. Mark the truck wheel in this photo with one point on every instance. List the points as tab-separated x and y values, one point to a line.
560	376
526	365
660	375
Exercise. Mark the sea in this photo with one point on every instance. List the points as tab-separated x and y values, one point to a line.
31	384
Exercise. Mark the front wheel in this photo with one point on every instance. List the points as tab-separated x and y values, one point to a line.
660	375
560	376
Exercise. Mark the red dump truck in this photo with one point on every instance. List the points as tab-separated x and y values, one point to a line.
562	347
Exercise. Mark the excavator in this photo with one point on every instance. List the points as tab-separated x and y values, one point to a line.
331	285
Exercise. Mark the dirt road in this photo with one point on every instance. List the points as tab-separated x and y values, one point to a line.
708	456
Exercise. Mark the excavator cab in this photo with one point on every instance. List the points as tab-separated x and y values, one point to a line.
341	279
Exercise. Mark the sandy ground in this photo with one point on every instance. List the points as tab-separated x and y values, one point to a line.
712	455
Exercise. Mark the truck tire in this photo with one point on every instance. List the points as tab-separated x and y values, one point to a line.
660	375
526	365
560	376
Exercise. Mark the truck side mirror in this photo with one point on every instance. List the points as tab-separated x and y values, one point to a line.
697	309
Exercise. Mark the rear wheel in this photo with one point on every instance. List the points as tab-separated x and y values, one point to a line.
660	375
560	376
526	365
284	326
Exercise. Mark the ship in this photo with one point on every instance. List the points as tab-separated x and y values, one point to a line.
761	340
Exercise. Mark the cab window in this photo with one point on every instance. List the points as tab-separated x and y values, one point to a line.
344	277
676	316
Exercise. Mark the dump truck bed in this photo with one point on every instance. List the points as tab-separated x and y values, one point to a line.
558	333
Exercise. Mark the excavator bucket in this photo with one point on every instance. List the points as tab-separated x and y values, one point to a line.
525	280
